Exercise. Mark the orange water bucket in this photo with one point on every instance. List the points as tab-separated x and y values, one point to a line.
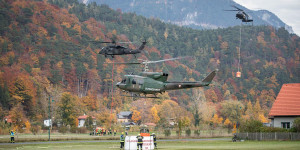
145	134
238	74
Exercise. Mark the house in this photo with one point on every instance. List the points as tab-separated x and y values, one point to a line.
124	116
7	119
47	122
81	120
286	106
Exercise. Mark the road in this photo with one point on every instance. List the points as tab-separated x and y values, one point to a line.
96	141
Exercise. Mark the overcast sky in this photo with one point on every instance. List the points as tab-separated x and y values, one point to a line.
287	10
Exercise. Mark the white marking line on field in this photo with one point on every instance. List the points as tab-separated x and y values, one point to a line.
114	146
68	146
43	147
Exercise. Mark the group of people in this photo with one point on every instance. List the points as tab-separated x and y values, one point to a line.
139	141
104	132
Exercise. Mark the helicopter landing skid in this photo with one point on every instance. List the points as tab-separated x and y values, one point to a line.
138	96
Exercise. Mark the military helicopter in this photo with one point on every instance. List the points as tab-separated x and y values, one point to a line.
115	49
156	82
241	14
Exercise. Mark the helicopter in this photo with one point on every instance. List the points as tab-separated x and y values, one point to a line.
115	49
241	14
156	82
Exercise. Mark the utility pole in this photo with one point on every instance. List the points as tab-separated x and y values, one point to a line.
49	115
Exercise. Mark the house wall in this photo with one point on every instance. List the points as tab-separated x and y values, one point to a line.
81	122
123	120
279	120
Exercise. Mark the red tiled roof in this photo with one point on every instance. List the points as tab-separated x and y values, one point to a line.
287	102
8	119
150	124
84	117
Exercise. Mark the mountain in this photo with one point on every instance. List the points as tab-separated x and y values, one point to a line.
199	14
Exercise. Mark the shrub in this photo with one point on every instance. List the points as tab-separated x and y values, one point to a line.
296	125
63	129
178	132
188	132
197	133
167	132
74	129
251	126
35	129
272	129
82	130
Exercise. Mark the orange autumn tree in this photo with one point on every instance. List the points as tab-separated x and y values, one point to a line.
227	122
17	117
136	116
216	120
154	114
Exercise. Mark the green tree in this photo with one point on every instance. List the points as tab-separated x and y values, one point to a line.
296	124
197	118
89	123
4	96
232	110
66	109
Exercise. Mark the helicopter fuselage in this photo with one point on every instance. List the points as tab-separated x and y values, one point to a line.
120	50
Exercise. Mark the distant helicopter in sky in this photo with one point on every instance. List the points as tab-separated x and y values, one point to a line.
241	14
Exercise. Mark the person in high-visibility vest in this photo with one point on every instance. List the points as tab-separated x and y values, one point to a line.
12	136
140	141
154	139
98	132
122	140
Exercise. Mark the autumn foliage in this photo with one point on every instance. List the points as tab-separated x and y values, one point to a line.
49	57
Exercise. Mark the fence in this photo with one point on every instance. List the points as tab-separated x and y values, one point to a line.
269	136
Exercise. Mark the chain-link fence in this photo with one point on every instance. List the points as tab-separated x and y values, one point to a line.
269	136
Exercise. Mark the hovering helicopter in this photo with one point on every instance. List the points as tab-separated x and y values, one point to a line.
115	49
241	14
156	82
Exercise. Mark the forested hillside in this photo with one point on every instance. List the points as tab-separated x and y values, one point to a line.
48	48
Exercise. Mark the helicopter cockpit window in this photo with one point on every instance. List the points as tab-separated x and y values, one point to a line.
140	82
133	81
123	81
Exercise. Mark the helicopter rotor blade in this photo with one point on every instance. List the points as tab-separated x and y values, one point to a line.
126	42
232	10
163	60
237	8
148	62
127	63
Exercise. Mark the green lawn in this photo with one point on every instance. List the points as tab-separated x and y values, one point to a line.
171	145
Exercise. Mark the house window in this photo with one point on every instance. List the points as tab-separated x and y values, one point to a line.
285	125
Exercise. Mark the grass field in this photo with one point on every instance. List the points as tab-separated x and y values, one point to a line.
164	145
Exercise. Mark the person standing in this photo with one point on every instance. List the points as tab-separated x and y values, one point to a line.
140	142
154	140
12	136
122	140
115	132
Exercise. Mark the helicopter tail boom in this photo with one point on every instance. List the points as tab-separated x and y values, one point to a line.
143	45
185	85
